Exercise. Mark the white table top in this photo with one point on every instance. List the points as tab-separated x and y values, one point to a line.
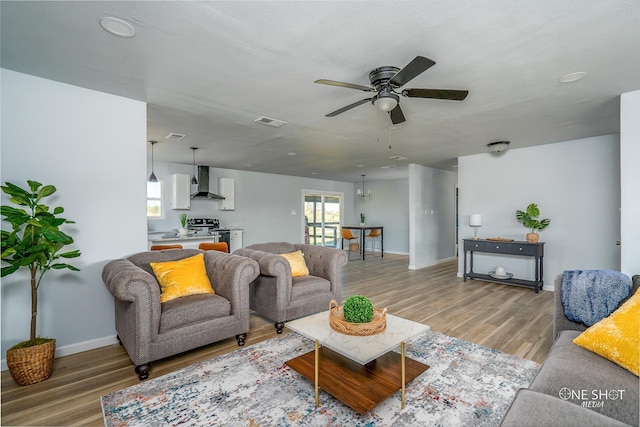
357	348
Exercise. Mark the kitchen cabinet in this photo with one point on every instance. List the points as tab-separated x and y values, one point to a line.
180	191
226	188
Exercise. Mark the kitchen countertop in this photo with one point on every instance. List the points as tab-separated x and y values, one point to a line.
159	236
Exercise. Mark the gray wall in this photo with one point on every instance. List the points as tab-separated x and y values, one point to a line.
431	215
388	206
630	185
90	145
575	183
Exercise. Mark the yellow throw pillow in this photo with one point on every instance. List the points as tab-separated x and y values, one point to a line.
187	276
296	261
617	337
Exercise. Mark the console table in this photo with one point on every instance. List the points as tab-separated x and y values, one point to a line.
535	250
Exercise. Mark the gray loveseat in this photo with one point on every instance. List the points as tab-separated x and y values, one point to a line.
150	331
574	386
279	297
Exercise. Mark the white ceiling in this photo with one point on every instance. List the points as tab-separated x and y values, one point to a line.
209	69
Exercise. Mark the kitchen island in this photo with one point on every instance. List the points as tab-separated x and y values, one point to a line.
190	241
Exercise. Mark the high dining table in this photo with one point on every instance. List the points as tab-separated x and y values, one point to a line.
362	229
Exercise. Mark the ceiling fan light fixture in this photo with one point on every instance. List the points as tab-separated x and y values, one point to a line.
386	101
499	146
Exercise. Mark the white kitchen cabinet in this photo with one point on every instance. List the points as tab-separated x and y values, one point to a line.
180	191
227	189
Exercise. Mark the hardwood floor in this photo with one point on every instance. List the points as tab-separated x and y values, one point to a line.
508	318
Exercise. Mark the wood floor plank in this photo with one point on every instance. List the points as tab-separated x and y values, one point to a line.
512	319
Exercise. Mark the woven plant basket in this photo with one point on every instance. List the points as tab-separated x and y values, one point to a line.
337	322
31	365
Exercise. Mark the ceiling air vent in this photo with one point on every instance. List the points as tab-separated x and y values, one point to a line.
175	136
270	122
398	158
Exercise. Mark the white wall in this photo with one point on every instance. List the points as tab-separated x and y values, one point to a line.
575	183
264	203
90	145
388	207
630	182
431	216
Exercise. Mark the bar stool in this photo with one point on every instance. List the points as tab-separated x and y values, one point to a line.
374	235
217	246
348	236
163	247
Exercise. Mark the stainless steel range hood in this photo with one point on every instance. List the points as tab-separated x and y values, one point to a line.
203	186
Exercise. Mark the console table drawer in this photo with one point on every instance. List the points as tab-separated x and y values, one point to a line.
475	246
524	250
498	247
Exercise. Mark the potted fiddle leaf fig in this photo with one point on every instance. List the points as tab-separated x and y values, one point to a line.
35	243
529	219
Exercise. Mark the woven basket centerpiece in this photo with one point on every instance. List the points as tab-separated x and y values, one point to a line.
336	319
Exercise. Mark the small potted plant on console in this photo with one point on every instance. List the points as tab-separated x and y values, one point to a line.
529	219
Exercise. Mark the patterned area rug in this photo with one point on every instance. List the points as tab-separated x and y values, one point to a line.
467	385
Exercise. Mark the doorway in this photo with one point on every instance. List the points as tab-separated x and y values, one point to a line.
322	218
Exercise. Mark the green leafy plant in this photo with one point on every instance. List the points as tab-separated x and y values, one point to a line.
183	220
529	218
35	241
362	218
357	309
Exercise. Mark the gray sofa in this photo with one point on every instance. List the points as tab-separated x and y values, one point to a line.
279	297
150	331
574	386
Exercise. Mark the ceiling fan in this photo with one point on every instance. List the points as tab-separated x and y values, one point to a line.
387	80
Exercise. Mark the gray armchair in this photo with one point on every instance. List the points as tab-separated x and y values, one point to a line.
150	331
277	296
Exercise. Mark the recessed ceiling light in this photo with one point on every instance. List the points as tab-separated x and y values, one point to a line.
314	173
117	26
291	154
248	165
359	166
573	77
398	158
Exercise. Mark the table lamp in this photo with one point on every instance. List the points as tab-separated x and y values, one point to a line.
475	221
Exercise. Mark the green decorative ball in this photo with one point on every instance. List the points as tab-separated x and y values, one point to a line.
357	309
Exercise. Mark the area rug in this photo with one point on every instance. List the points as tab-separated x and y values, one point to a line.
467	385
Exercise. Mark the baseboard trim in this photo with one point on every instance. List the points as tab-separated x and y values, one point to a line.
440	261
76	348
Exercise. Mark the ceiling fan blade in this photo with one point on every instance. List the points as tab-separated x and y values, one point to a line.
348	107
418	66
343	84
453	95
397	116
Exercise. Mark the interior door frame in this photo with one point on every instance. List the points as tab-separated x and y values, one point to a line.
305	192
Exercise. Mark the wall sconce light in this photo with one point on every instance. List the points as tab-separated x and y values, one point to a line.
475	221
499	146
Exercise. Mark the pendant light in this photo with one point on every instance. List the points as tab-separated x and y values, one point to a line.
152	177
361	193
194	180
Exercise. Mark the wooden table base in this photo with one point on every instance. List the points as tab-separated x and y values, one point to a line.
361	387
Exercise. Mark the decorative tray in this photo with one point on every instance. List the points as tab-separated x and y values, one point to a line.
336	320
500	239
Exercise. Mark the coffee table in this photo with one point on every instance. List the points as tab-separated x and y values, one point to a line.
360	371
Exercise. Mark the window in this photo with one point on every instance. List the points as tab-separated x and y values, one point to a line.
154	199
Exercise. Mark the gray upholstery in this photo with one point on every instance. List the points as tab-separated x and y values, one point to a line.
574	386
560	321
151	331
279	297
